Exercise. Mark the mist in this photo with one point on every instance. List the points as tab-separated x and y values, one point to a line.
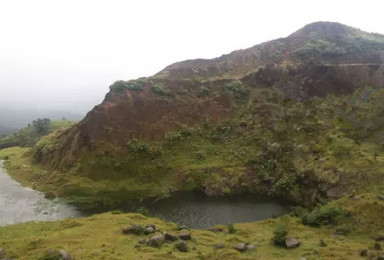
63	55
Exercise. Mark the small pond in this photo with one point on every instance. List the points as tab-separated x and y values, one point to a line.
196	210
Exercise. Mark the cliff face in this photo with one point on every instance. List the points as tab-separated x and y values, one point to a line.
317	60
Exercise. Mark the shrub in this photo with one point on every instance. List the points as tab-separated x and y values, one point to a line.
237	88
143	210
201	155
280	234
159	89
231	228
324	216
122	85
137	147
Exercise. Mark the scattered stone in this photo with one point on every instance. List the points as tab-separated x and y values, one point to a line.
2	252
380	197
50	195
149	230
241	247
185	235
216	229
182	246
134	229
363	252
156	241
379	238
170	237
251	247
292	242
142	241
151	225
357	197
65	256
377	246
380	257
218	246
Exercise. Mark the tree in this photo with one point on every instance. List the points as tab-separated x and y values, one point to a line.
42	125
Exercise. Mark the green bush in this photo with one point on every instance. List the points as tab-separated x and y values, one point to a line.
231	228
140	148
122	85
324	216
280	234
238	89
159	89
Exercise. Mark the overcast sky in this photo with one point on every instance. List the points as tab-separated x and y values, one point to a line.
64	54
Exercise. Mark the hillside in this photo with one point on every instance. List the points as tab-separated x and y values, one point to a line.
245	122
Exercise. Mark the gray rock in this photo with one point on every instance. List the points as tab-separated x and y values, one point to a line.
185	235
363	252
241	247
151	225
218	246
251	247
169	236
380	257
292	242
149	230
216	229
357	197
379	238
156	241
380	197
2	252
142	241
65	256
182	246
377	246
133	229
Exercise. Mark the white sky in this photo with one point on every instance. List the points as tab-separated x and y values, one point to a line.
63	54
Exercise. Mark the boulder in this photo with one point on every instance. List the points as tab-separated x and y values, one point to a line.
377	246
380	197
182	246
169	236
2	252
185	235
363	252
133	229
380	257
149	230
251	247
292	242
151	225
379	238
218	246
65	256
156	241
241	247
216	229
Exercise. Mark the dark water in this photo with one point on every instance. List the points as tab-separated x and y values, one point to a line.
20	204
195	210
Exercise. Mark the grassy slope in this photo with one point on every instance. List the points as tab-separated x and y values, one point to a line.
100	237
